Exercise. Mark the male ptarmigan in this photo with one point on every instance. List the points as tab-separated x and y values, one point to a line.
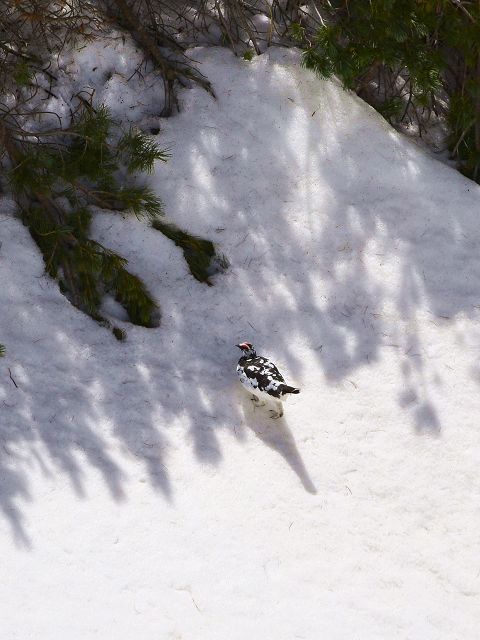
262	378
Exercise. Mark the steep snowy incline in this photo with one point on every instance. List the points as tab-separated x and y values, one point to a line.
142	494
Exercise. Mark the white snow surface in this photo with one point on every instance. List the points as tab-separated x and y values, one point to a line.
144	496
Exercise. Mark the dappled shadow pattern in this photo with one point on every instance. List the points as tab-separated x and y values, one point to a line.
334	243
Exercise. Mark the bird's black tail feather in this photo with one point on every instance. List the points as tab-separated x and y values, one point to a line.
285	388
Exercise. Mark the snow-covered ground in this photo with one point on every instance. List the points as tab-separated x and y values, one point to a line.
142	494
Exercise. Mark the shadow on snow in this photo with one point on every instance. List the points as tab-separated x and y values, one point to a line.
301	198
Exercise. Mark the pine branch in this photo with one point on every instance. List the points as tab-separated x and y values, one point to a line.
42	175
380	47
199	253
142	151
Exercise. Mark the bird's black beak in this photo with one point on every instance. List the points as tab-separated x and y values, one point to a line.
237	345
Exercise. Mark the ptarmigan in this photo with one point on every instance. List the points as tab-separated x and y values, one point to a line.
262	378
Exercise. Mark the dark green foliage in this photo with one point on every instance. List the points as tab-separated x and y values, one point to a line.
391	109
119	334
407	59
2	350
58	174
56	182
86	269
392	33
57	179
200	254
130	292
141	201
142	151
34	171
22	73
87	154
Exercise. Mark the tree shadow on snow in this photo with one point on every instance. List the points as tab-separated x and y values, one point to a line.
297	188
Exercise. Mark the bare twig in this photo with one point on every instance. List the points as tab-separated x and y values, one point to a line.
11	378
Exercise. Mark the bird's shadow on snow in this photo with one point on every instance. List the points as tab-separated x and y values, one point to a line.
276	434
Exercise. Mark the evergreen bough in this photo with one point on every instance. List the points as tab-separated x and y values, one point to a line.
56	177
200	254
59	176
408	59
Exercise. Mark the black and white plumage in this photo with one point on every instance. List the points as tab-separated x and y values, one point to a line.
261	377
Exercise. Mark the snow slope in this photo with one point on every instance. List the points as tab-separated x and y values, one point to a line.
143	495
